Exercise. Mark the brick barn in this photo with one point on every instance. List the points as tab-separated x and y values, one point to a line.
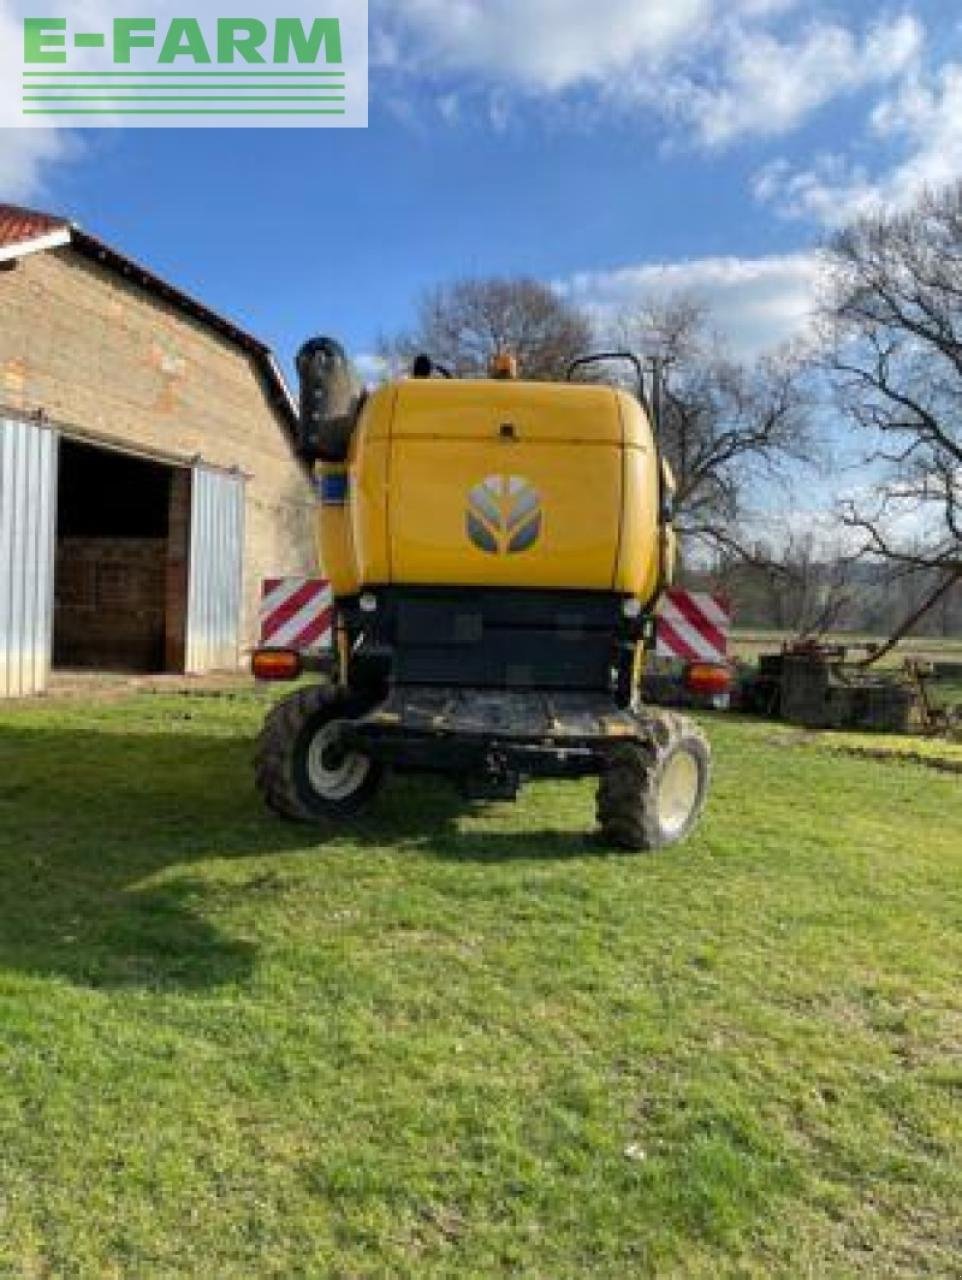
148	475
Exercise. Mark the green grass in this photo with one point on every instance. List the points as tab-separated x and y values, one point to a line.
470	1042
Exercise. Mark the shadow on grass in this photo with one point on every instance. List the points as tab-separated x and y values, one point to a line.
427	814
91	821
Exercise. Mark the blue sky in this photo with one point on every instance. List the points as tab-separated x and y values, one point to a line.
614	149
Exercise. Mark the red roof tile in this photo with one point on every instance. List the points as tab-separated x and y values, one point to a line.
19	226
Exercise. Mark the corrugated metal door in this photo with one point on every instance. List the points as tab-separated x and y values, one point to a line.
28	521
216	571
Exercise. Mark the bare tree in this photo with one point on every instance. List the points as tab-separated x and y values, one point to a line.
894	355
812	587
463	324
726	427
802	584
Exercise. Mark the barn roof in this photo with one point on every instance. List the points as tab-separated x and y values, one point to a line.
25	231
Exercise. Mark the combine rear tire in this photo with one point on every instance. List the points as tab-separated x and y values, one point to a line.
301	770
652	791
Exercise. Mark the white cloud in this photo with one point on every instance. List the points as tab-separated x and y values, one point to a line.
831	191
723	69
545	45
922	120
758	304
929	117
26	155
768	86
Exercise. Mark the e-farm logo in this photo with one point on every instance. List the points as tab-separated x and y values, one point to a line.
112	69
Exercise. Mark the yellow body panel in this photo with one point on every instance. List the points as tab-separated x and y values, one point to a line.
369	507
639	556
429	504
539	411
496	484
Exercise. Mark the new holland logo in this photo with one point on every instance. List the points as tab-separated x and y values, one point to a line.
504	515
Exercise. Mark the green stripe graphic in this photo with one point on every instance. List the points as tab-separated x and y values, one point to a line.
109	92
163	111
196	75
169	97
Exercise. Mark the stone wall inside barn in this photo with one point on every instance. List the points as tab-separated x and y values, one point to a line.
110	361
111	603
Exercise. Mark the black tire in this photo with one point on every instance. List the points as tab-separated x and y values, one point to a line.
286	772
632	809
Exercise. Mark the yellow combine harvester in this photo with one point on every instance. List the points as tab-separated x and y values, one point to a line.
496	550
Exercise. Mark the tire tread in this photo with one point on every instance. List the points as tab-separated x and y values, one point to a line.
627	792
275	759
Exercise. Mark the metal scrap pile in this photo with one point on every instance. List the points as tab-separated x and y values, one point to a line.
816	687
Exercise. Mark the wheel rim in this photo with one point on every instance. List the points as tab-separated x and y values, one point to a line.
678	793
333	773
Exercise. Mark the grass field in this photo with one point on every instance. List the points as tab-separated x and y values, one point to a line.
470	1042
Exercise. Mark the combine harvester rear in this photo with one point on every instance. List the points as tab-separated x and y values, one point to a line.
496	550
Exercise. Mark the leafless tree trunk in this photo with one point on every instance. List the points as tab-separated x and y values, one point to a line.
893	352
463	324
908	625
727	428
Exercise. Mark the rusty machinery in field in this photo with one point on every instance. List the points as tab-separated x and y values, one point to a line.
819	686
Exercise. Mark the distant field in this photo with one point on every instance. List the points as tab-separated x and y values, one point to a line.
470	1041
748	645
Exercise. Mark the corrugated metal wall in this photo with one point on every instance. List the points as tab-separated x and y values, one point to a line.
216	571
28	521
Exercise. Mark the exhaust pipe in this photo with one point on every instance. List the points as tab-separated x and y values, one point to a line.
330	397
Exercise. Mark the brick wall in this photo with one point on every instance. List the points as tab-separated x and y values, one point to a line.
110	608
101	354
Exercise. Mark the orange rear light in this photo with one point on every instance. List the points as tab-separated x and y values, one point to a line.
276	664
708	679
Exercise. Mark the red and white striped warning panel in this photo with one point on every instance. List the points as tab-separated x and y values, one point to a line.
297	613
694	625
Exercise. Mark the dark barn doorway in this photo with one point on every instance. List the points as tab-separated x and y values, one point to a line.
120	586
